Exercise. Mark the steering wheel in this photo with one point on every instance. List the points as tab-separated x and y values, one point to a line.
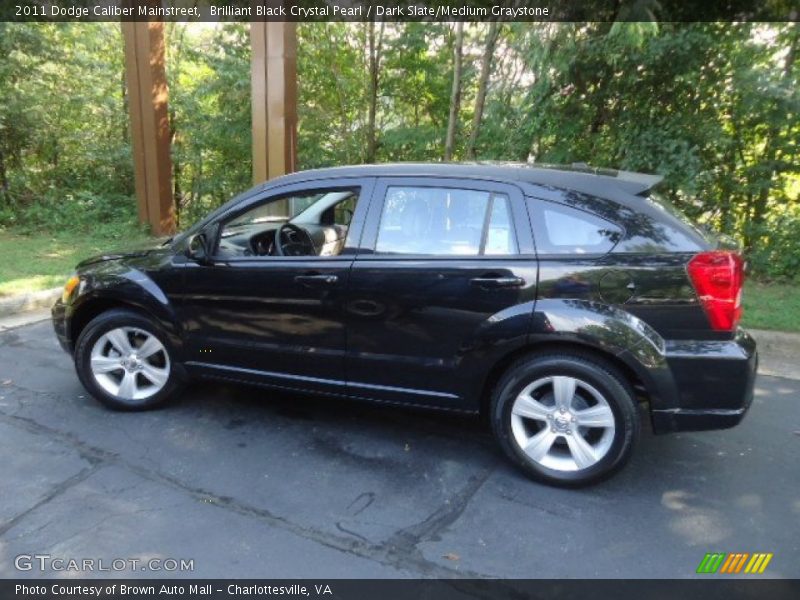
297	242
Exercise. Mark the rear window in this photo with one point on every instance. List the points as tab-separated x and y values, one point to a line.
662	203
560	229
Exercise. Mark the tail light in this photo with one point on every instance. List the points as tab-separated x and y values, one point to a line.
718	277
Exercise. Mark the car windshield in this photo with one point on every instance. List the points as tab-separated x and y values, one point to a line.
182	235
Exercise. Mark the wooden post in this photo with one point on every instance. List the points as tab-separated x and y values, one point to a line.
274	98
147	101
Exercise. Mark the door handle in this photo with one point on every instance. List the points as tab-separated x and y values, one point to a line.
493	283
318	279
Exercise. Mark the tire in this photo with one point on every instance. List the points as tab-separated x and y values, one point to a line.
544	441
111	365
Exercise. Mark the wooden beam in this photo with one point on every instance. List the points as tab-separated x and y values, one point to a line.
147	100
274	98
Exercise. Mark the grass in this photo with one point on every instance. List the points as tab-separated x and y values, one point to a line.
772	306
37	262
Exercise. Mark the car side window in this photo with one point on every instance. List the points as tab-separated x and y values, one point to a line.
277	210
311	223
445	222
559	229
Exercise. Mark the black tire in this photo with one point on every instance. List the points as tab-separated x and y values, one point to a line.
604	378
101	325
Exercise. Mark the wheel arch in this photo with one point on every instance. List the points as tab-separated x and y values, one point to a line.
573	347
94	305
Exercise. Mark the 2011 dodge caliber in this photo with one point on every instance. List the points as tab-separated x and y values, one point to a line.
553	300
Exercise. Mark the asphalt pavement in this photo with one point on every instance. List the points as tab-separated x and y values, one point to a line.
247	482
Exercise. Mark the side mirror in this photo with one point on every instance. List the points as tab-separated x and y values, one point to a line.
197	249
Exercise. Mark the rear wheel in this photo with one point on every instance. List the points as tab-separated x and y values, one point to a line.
124	360
565	419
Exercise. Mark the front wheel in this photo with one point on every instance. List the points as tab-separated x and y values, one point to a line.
565	420
124	360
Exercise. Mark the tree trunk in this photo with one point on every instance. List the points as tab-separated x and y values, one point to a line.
483	82
374	49
174	136
177	171
124	91
3	176
177	192
455	95
726	204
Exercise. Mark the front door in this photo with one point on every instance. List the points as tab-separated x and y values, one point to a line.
445	279
275	315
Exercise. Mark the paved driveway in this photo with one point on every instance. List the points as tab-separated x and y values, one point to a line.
249	483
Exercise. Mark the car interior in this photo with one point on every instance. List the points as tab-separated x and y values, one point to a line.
311	224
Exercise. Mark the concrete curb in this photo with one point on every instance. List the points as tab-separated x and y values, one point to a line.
24	318
778	353
31	301
777	341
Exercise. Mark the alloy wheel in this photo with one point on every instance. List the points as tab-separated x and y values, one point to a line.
562	423
130	363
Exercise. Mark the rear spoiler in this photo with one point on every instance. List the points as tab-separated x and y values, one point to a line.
632	182
641	181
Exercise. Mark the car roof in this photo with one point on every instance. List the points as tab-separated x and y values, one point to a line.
579	177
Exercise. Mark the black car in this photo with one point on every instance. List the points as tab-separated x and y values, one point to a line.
552	300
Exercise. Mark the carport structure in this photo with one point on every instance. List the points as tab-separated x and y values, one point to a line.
273	76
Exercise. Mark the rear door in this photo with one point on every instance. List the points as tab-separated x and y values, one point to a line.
442	266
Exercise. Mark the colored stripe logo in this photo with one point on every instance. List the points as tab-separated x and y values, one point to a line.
734	563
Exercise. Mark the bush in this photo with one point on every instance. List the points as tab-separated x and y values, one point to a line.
105	215
776	251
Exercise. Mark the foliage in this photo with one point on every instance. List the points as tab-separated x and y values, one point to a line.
777	257
332	95
209	81
711	106
694	102
63	124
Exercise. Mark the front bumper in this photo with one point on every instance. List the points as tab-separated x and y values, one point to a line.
714	382
59	317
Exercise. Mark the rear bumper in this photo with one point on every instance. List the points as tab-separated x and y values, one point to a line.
714	381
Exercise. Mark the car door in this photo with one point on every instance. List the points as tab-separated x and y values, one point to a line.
274	319
444	282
